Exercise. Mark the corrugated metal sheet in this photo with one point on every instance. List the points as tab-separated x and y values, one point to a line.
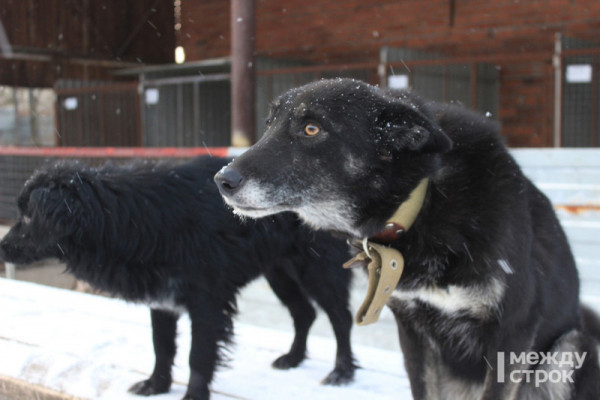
180	112
449	82
187	114
97	114
189	105
488	89
581	109
580	99
268	87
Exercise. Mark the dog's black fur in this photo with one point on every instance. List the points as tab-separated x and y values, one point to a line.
161	234
488	267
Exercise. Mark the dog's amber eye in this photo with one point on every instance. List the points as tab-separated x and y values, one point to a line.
311	129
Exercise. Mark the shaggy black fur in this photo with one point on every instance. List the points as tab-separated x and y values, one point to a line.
160	234
488	267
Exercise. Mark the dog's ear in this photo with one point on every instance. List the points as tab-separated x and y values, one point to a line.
404	127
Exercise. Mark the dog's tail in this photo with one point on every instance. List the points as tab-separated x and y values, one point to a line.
591	322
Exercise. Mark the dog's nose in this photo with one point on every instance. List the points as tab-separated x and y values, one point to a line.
228	180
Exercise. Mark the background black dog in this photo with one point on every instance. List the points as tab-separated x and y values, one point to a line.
488	267
160	234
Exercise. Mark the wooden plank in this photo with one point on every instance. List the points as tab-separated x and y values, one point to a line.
570	175
556	158
589	271
582	230
12	388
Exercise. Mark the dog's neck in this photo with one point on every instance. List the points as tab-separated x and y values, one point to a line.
404	216
383	263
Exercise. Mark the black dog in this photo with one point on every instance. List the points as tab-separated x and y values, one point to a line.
490	289
160	234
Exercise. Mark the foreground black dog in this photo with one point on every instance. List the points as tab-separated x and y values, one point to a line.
488	305
161	235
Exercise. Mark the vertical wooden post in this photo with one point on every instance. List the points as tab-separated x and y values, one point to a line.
242	73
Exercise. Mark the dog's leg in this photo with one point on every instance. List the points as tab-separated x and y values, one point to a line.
164	329
334	301
496	388
303	314
211	326
587	378
499	383
413	351
573	374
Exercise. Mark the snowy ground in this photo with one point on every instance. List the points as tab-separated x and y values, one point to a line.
95	348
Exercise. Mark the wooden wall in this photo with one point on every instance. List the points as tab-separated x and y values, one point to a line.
82	39
355	30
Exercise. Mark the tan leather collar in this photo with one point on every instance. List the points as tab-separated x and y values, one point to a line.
405	215
385	264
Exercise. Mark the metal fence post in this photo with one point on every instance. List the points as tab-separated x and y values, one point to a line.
10	270
557	64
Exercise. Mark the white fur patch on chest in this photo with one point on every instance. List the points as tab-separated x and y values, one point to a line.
166	304
477	301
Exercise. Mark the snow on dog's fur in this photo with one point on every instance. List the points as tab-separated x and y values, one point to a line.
488	267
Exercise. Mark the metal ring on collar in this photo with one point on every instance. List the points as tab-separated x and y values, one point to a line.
365	244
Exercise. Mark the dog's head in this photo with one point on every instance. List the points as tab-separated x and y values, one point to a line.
341	153
50	217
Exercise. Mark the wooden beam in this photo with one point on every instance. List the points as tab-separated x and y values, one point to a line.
137	29
242	73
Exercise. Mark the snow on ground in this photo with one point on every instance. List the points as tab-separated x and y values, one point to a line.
95	347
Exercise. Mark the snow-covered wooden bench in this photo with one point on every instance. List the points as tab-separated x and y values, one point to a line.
571	179
92	347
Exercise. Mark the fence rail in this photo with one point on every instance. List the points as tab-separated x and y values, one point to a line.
118	152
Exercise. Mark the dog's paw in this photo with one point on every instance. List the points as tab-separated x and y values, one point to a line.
202	395
149	388
288	361
339	376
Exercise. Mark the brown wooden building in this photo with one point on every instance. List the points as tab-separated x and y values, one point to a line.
517	37
533	64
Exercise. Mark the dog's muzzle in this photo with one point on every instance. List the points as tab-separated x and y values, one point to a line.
229	181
